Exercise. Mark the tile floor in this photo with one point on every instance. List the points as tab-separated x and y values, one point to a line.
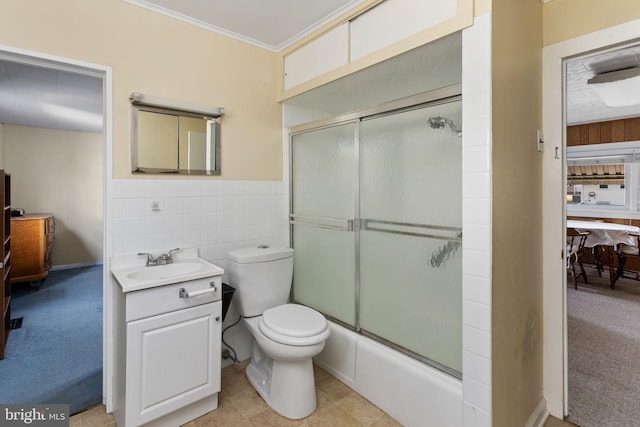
240	406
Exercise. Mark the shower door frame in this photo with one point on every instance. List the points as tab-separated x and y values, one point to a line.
436	97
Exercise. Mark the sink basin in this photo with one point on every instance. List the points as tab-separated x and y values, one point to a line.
132	274
166	271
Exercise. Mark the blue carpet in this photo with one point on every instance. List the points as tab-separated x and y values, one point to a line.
56	356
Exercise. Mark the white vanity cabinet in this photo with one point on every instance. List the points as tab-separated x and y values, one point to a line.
168	340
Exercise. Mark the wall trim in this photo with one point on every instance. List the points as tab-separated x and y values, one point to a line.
76	265
539	415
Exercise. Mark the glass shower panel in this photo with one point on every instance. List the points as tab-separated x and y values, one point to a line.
324	177
410	231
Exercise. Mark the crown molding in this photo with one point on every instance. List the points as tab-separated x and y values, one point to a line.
213	28
201	24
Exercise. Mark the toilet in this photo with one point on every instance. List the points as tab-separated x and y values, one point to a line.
285	336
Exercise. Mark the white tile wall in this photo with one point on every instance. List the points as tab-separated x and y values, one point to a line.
213	215
476	222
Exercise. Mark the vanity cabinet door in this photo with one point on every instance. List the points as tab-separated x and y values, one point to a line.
172	361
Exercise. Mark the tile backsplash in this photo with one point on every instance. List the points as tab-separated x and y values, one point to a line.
216	216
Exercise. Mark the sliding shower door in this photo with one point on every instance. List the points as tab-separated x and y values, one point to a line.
323	206
410	233
377	227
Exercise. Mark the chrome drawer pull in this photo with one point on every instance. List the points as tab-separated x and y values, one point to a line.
183	293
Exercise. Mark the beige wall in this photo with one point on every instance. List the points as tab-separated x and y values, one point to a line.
516	217
566	19
154	54
61	173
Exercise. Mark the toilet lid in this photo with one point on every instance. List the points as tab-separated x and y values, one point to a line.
294	320
294	324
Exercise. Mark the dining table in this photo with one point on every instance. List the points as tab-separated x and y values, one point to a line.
606	235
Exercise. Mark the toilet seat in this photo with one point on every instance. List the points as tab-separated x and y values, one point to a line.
294	324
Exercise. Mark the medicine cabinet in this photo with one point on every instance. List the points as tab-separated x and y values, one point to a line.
170	137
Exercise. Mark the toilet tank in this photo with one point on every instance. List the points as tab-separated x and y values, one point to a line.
262	277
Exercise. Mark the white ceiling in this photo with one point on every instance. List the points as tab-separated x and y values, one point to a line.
32	95
583	105
40	96
272	24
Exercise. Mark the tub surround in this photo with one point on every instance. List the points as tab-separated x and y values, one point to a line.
353	359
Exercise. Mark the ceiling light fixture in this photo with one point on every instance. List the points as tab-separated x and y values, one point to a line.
619	88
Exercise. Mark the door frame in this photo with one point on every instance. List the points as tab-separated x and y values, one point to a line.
555	381
105	73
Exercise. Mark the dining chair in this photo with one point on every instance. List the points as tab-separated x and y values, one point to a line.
575	249
597	252
625	252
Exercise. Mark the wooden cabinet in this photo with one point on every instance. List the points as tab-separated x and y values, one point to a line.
623	130
5	256
31	245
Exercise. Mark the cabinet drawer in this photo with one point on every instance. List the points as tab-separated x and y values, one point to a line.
164	299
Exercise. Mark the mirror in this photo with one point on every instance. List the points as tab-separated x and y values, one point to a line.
171	141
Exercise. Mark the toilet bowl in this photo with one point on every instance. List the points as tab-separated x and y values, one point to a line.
282	372
285	336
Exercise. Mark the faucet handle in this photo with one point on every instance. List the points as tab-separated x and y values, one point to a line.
170	253
150	259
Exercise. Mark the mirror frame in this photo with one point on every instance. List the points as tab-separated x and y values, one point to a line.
212	131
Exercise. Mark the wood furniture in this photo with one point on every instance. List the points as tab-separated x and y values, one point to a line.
575	249
606	236
622	130
5	257
625	252
31	245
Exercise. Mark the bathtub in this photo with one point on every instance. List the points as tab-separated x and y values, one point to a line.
413	393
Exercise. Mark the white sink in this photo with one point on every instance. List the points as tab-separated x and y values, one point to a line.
132	273
166	271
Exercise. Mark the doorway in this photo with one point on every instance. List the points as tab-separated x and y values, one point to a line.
602	181
554	204
60	125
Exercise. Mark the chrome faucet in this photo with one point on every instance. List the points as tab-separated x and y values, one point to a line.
150	259
166	258
161	259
